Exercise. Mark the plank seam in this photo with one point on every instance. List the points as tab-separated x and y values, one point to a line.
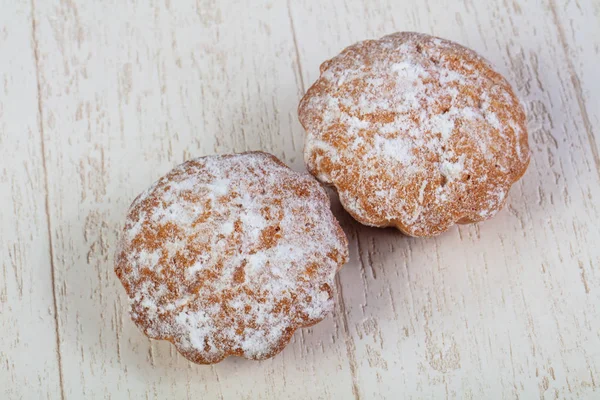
296	48
350	346
349	343
47	197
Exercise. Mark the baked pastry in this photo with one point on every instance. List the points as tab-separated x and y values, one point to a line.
414	132
229	255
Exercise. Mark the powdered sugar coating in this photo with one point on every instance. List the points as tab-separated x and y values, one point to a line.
415	132
228	255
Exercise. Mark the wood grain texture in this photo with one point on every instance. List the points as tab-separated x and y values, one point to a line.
99	100
119	113
487	308
28	343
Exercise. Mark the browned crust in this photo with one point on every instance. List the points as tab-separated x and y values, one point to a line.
472	201
130	275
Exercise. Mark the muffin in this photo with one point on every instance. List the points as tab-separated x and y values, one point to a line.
414	132
229	255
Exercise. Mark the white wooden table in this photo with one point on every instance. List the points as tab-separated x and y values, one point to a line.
97	100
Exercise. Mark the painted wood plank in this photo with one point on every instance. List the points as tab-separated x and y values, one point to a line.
489	308
29	365
503	309
130	90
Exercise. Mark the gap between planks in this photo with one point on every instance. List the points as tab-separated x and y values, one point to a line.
348	340
46	196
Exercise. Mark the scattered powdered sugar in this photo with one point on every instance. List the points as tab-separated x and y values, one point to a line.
195	268
397	149
443	124
201	329
451	170
420	119
447	76
228	255
409	72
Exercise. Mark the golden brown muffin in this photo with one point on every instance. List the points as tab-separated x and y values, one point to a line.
229	255
414	132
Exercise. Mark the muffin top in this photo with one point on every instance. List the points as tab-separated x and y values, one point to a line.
414	132
229	255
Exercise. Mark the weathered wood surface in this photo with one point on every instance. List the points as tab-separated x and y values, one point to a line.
98	100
